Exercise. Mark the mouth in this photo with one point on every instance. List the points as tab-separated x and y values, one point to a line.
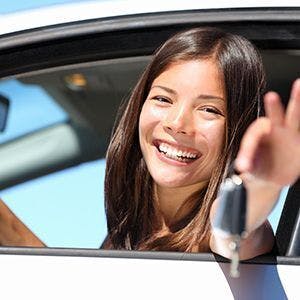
177	152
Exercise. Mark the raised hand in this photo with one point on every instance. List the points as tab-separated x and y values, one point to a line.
270	148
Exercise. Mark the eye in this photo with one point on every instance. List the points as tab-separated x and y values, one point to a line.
211	110
162	99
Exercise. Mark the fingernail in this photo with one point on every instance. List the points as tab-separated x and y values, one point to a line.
295	87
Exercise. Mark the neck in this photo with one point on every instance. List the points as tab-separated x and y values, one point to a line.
170	200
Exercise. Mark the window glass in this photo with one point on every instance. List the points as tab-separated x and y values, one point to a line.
30	109
64	209
275	214
61	208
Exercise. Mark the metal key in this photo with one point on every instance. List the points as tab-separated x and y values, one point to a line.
235	257
230	218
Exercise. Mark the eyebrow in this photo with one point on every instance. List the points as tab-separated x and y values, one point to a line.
164	88
201	96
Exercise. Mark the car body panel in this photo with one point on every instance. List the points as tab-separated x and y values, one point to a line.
87	10
74	277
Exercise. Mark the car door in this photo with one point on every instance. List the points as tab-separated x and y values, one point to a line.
80	71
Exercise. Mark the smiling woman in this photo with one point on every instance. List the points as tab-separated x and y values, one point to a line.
182	123
181	128
175	139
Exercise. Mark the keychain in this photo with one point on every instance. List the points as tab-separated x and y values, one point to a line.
230	219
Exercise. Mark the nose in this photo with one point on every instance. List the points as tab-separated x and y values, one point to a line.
179	120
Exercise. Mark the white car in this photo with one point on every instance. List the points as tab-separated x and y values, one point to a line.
64	71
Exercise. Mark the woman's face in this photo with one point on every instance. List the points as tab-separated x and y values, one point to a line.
182	124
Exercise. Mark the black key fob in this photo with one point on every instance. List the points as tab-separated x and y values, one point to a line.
230	217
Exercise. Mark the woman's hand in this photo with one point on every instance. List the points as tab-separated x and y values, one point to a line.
268	159
13	232
269	155
270	148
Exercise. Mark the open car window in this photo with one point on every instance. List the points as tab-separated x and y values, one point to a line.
31	109
61	119
56	116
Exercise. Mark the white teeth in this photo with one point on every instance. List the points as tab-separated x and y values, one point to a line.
163	148
174	153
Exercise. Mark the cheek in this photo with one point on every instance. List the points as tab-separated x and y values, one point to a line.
215	135
150	117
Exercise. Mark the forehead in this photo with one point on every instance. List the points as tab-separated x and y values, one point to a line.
199	75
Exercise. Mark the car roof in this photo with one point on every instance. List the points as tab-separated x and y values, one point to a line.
88	10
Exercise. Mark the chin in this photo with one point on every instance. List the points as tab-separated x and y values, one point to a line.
174	182
170	184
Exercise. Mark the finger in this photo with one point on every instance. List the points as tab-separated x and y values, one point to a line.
293	110
250	143
274	108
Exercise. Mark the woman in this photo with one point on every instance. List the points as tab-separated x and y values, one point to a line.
175	138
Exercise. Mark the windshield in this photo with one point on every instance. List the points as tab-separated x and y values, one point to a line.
15	5
31	108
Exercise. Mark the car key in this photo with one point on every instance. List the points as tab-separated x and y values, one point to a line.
230	218
235	259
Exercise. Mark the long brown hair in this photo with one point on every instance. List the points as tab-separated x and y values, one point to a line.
133	220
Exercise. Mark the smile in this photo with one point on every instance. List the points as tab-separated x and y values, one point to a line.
177	153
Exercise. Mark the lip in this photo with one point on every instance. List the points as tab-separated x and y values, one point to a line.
181	147
171	161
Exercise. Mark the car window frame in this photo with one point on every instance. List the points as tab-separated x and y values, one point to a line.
32	50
